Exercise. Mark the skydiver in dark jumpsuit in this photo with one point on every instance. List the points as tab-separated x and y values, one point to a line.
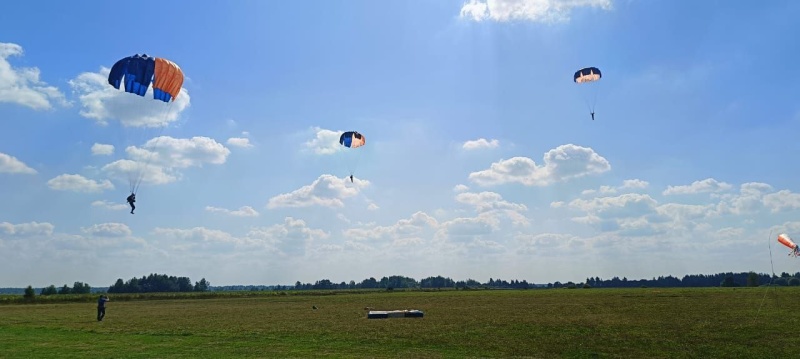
131	199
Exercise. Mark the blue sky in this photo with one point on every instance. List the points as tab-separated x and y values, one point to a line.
481	157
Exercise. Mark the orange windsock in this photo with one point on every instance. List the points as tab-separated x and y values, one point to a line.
786	241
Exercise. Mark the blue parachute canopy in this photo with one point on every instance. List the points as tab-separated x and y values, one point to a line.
138	73
587	74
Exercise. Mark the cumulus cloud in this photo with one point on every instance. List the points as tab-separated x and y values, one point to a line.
290	238
180	152
704	186
547	11
158	160
101	102
627	185
10	164
480	144
107	230
147	173
242	142
325	142
244	211
22	86
460	188
485	201
26	229
327	191
78	183
560	164
102	149
110	205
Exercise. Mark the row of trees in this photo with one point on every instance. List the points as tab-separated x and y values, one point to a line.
164	283
77	288
158	283
397	281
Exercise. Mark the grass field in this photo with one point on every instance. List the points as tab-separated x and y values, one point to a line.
553	323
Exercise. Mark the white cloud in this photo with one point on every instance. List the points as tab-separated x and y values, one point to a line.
108	230
26	229
325	142
372	207
460	188
10	164
327	191
148	173
703	186
485	201
101	102
110	205
180	152
560	164
627	185
78	183
480	144
102	149
22	86
244	211
528	10
634	184
158	160
242	142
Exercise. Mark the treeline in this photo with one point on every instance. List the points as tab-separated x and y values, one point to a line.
397	281
728	279
77	288
158	283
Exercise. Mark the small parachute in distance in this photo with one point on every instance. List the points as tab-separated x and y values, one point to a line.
784	239
352	139
588	76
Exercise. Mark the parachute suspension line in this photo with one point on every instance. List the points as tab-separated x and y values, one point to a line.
772	277
137	181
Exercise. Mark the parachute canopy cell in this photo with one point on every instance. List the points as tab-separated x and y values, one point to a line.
588	74
137	72
352	139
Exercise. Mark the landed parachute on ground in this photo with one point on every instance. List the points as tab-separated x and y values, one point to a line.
352	140
784	239
136	74
587	78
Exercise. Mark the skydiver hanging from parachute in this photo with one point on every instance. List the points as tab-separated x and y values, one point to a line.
137	72
131	199
352	140
587	77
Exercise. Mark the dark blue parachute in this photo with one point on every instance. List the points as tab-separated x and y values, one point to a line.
138	72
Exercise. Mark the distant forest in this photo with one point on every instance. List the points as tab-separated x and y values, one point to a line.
165	283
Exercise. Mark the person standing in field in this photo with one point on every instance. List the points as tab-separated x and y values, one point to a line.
101	307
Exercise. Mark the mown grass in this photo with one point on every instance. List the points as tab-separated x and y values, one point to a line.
556	323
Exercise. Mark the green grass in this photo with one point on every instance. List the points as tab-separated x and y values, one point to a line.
555	323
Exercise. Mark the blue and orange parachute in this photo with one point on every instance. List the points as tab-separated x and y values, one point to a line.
587	77
352	139
137	72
